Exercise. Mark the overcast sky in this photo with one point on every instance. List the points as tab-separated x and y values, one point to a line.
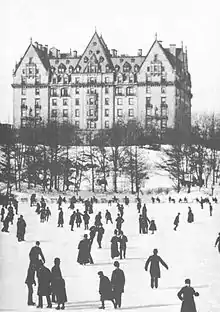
125	26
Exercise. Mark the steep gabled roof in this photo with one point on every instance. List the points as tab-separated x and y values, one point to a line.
19	63
43	55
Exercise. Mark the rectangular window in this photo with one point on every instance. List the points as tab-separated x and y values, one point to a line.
119	91
91	112
106	101
130	91
149	111
23	112
23	123
53	113
77	90
148	89
131	78
164	111
119	101
23	71
54	102
120	78
76	101
163	100
23	91
30	71
77	124
65	80
106	112
148	101
37	91
76	112
131	112
119	112
37	112
148	68
54	80
64	92
65	112
77	80
53	92
164	124
163	89
37	102
23	101
37	80
106	79
131	101
91	101
92	79
106	124
65	102
106	90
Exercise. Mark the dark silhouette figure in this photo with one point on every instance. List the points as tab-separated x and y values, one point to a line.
176	221
98	219
44	285
105	290
190	218
100	231
119	220
118	283
58	285
84	255
78	218
217	242
60	218
144	211
86	218
47	214
210	209
30	281
2	214
123	245
141	224
121	210
114	245
72	220
21	227
152	227
108	217
154	262
92	233
34	254
6	224
186	295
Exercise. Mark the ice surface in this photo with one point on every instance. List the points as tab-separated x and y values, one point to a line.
189	253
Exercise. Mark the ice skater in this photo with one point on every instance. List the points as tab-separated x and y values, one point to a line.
118	284
176	221
114	245
217	242
152	226
30	281
190	218
186	295
21	227
119	220
58	286
100	230
34	255
123	245
84	255
60	218
44	285
108	217
105	290
72	220
154	262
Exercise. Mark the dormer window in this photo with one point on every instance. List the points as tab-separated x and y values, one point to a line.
61	68
126	67
86	59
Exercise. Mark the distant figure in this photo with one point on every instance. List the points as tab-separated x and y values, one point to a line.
123	245
108	217
30	281
84	247
210	209
92	233
60	218
105	290
86	218
119	220
58	285
217	242
154	262
6	224
44	285
2	213
190	218
152	227
144	211
100	230
48	214
98	219
21	227
186	295
118	283
72	220
34	254
78	218
114	245
176	221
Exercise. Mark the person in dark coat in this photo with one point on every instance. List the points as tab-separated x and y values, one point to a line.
59	201
119	220
58	285
2	214
84	251
60	218
98	219
92	233
34	254
121	210
217	242
47	214
123	244
152	227
144	211
118	284
78	218
6	224
141	224
11	214
38	208
15	203
108	217
100	231
139	206
186	295
44	285
176	221
30	281
21	227
42	214
72	220
105	290
86	218
190	218
154	262
114	245
210	209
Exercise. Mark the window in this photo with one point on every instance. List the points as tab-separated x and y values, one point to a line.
106	79
23	101
64	92
148	89
107	68
65	102
106	90
164	111
23	91
106	124
37	80
149	111
126	67
119	101
54	80
71	69
106	112
37	91
148	68
120	78
131	112
119	91
37	102
92	125
53	92
23	123
163	89
92	79
106	101
77	80
148	101
76	112
53	113
65	112
77	90
65	80
130	91
119	112
23	71
91	101
54	102
131	78
67	61
76	101
23	112
37	112
30	60
91	112
77	124
131	101
30	71
163	100
164	124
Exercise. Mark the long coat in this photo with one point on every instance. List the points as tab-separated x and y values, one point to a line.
114	247
60	218
84	251
44	281
186	294
190	217
154	262
105	288
21	226
118	280
58	285
177	220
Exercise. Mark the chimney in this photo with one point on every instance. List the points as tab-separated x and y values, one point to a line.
58	53
114	52
173	49
75	54
36	44
139	52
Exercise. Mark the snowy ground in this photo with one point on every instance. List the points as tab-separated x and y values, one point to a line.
189	253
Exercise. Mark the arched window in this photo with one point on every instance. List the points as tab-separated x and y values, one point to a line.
136	68
61	68
71	69
126	67
107	68
120	78
117	68
54	79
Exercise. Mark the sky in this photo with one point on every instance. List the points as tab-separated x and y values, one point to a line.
125	25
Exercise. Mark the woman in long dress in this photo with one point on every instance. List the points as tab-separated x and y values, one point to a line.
186	295
114	245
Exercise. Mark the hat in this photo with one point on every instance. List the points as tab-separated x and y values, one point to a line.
100	273
187	281
37	243
116	263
